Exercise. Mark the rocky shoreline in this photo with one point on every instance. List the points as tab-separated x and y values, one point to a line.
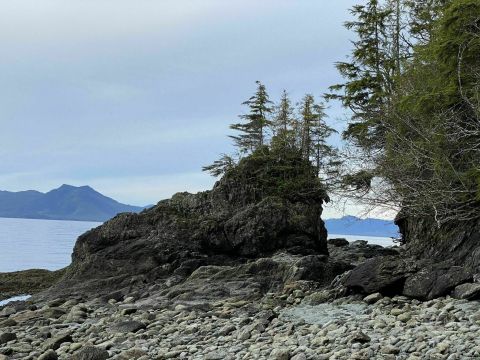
284	325
245	271
27	282
300	319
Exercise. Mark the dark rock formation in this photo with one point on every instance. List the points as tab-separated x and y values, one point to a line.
435	262
238	220
357	252
253	279
467	291
381	274
339	242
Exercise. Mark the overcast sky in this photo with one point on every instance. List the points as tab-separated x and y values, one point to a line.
134	97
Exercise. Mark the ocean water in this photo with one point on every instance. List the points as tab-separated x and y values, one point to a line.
48	244
38	244
374	240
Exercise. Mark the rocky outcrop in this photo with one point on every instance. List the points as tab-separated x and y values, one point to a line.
245	282
236	222
437	261
27	282
357	252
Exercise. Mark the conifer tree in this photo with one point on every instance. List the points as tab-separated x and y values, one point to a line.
284	114
397	34
325	156
368	75
308	118
422	17
314	134
253	130
284	122
397	24
220	166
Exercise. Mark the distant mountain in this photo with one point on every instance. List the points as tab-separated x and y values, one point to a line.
65	203
351	225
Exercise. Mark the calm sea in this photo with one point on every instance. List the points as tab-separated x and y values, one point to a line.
374	240
48	244
38	244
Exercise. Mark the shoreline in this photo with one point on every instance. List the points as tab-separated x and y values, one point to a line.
27	282
22	298
280	326
225	312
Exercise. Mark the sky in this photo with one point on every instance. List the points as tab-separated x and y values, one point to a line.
134	97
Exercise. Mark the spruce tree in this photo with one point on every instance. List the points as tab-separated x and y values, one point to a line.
325	156
397	24
308	118
368	75
253	130
423	15
284	122
220	166
314	134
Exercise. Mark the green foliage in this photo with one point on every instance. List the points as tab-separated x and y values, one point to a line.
423	15
457	47
281	173
368	76
284	125
253	129
314	133
288	164
220	166
429	148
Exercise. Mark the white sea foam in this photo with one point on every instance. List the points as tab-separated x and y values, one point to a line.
15	298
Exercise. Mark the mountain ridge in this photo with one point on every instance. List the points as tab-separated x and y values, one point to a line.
351	225
67	202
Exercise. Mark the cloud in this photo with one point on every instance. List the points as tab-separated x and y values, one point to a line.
143	91
150	189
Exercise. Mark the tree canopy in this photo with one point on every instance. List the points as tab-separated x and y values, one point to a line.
417	130
283	149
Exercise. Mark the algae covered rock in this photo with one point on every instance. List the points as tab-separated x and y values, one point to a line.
27	282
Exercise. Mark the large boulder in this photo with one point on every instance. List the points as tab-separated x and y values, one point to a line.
384	275
436	262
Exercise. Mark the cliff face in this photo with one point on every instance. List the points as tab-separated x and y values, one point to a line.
228	225
436	262
458	243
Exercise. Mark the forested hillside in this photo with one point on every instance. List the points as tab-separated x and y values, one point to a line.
412	86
